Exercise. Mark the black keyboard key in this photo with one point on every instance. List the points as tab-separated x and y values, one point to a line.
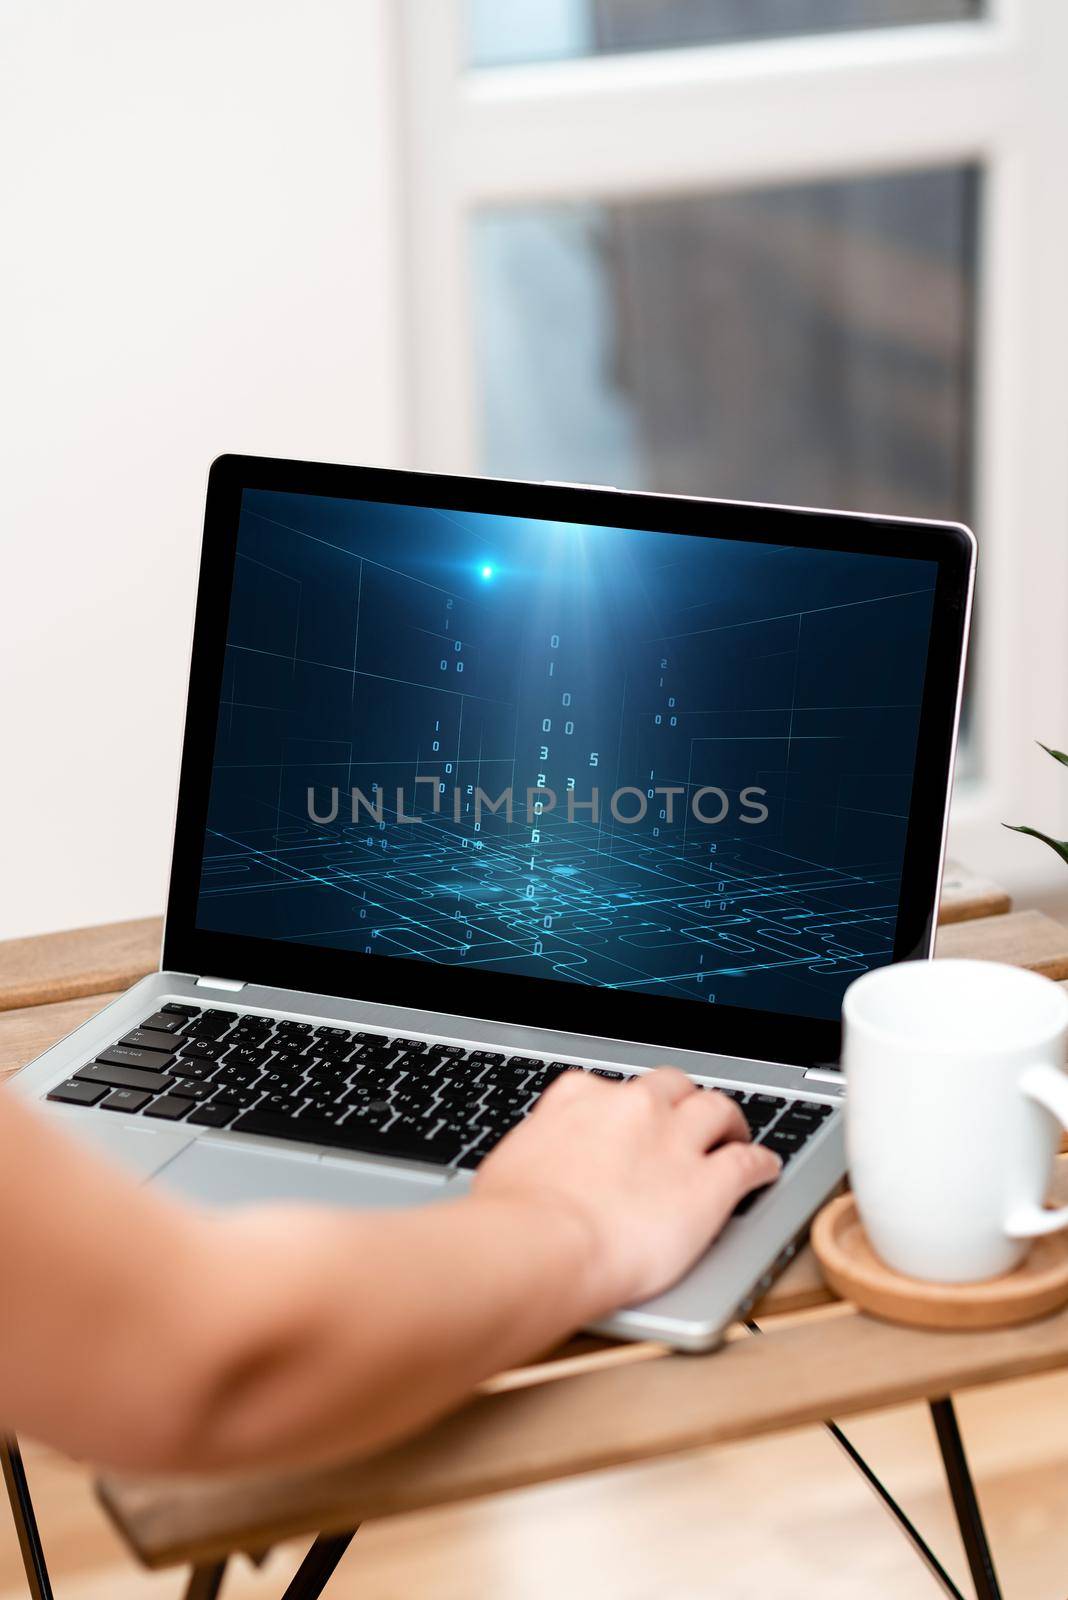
124	1055
413	1096
202	1049
758	1116
170	1107
285	1103
464	1113
506	1098
180	1010
335	1050
407	1045
243	1055
524	1064
372	1133
192	1090
326	1072
212	1116
776	1102
250	1037
231	1103
784	1143
281	1082
240	1098
290	1057
269	1123
149	1039
124	1077
603	1072
368	1077
436	1060
565	1066
333	1033
406	1138
478	1152
238	1075
500	1120
458	1069
73	1093
210	1033
125	1100
488	1058
370	1038
805	1112
293	1030
415	1061
197	1071
164	1022
377	1104
363	1055
322	1108
216	1017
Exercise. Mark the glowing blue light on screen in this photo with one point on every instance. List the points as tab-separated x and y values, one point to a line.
486	572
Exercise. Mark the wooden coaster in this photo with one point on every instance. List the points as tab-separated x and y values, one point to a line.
853	1270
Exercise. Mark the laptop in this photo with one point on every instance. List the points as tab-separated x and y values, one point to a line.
484	782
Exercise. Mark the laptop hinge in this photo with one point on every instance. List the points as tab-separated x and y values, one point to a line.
231	985
824	1075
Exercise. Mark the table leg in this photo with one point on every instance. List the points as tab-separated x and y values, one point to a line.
317	1568
25	1519
889	1504
205	1582
965	1500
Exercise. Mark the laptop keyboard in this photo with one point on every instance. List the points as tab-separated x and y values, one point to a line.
361	1091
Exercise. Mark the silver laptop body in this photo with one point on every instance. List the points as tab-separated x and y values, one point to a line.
801	1094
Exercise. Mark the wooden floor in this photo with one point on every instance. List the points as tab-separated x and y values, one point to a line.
786	1516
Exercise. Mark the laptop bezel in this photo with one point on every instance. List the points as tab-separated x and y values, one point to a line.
394	980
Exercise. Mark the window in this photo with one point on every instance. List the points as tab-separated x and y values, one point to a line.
548	30
810	344
808	251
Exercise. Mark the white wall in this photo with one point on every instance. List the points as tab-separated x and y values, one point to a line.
198	253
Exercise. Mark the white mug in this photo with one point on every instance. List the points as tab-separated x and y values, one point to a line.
955	1097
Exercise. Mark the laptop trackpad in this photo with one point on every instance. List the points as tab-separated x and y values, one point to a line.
224	1174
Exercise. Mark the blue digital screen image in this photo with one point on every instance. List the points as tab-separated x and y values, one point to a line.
659	763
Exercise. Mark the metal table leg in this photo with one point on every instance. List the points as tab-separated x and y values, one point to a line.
317	1568
962	1492
25	1519
889	1504
205	1582
965	1500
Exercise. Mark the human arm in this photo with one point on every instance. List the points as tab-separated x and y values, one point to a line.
147	1334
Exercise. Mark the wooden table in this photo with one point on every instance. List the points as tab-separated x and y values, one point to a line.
592	1404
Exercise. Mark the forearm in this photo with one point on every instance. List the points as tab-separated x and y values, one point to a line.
143	1333
146	1334
387	1321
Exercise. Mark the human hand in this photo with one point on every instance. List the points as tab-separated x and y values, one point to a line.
653	1167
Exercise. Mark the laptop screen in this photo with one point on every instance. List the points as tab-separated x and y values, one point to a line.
649	762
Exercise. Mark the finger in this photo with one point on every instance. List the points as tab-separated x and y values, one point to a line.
712	1118
668	1084
733	1170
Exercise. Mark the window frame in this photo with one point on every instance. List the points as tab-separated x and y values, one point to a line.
761	113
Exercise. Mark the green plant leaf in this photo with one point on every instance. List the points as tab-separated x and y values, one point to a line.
1060	845
1058	755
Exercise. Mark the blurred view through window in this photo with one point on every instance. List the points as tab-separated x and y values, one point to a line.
546	30
810	344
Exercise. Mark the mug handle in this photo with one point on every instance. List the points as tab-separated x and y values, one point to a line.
1048	1087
